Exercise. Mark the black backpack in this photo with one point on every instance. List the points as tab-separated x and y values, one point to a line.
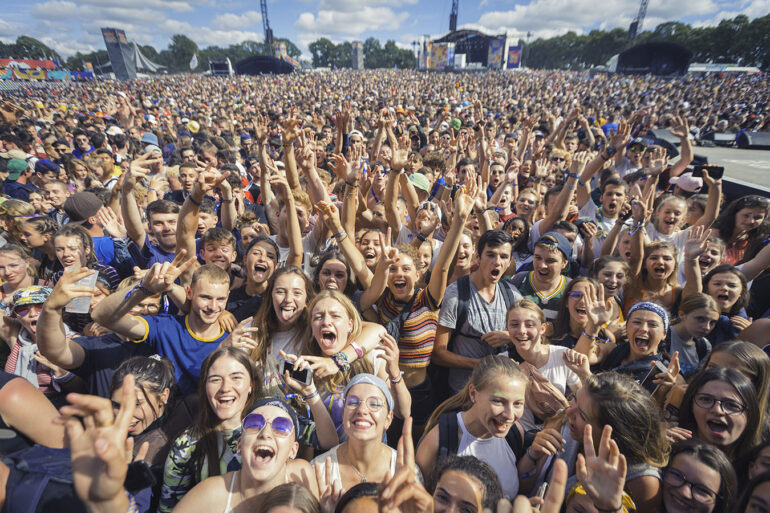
449	437
439	375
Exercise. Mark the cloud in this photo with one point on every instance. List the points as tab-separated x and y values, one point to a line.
364	19
205	36
354	5
230	21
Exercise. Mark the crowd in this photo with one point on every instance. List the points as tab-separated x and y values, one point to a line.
350	291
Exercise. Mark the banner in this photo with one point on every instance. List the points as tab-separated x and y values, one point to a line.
514	57
28	63
194	61
495	54
438	56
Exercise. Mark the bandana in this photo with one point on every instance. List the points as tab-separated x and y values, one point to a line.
652	307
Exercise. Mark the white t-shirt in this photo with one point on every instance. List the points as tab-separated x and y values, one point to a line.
590	210
557	373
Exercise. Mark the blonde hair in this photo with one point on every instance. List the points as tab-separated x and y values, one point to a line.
487	370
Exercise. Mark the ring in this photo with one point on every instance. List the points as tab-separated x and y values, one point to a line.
104	424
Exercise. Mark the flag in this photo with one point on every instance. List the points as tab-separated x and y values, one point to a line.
194	61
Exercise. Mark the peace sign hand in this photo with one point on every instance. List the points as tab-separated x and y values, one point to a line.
242	336
604	475
402	492
162	276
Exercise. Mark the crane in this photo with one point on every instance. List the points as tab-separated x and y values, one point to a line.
453	16
636	25
267	29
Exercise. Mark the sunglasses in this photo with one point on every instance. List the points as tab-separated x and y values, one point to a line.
23	311
636	149
558	159
427	206
281	426
754	201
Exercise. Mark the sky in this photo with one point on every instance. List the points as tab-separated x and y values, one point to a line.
70	26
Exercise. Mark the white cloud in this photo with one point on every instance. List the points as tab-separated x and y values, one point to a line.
205	36
231	21
354	5
365	19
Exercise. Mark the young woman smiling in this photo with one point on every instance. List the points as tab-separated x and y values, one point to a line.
728	286
572	317
228	387
490	405
743	223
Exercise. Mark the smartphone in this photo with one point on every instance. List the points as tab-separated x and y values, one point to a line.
82	305
656	369
715	172
541	492
303	376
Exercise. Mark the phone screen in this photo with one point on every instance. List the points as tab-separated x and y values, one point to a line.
303	376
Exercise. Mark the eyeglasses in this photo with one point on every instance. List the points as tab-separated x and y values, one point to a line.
428	205
558	159
754	201
730	407
23	311
700	493
575	294
281	426
372	403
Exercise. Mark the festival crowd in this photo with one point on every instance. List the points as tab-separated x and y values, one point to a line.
382	291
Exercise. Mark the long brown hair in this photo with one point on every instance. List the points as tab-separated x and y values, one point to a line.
205	427
266	319
488	369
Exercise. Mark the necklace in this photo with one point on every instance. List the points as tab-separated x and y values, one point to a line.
352	465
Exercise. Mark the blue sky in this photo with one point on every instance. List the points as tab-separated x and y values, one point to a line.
73	25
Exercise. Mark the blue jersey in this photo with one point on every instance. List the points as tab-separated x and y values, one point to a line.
170	336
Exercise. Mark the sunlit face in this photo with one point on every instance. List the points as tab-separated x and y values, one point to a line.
548	263
645	332
228	387
148	409
369	246
499	404
462	173
694	212
680	499
612	199
366	415
516	230
710	258
187	177
494	261
147	306
576	303
612	277
670	215
525	329
402	277
331	325
260	262
221	254
207	299
333	275
464	253
457	492
748	218
624	246
496	176
725	288
526	204
714	425
206	221
163	229
70	251
660	264
265	453
31	238
699	322
13	269
425	253
505	198
27	315
56	194
289	299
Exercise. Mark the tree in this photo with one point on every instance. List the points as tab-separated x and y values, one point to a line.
323	52
181	50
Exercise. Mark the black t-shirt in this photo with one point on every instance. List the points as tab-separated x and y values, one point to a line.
241	304
102	356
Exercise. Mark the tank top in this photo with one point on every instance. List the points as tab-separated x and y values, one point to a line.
495	452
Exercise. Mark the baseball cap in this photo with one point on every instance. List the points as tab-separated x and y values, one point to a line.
557	240
150	138
245	137
82	205
456	123
45	166
33	295
15	168
114	130
640	141
420	181
687	182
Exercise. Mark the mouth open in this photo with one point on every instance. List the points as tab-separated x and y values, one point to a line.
399	286
328	338
642	343
724	298
581	312
287	312
501	426
362	424
263	454
716	426
495	273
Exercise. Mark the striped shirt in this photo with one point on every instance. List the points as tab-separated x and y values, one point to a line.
419	333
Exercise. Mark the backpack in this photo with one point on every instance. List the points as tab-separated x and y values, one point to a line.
439	375
543	398
449	437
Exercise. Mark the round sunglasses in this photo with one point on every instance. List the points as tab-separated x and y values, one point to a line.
281	426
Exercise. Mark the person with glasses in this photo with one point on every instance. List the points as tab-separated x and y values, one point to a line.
83	144
698	479
572	316
362	458
743	225
721	407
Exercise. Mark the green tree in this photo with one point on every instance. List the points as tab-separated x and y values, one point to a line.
323	52
180	51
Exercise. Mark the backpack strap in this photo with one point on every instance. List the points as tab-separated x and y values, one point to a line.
463	300
448	433
508	295
701	349
515	439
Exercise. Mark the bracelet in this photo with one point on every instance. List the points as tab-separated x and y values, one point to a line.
570	186
132	506
353	185
573	175
592	337
227	200
421	237
398	379
341	361
310	396
602	510
357	349
197	203
580	183
530	456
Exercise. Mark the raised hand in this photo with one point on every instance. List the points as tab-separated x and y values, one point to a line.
209	179
341	167
679	127
577	363
548	442
668	378
66	288
242	336
261	129
400	155
390	347
330	215
330	489
658	162
300	363
280	186
98	446
141	167
621	137
466	197
162	276
604	475
290	130
598	310
402	492
696	242
111	223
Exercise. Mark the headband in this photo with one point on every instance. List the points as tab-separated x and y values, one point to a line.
652	307
371	379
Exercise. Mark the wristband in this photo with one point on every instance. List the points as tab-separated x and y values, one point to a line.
227	200
310	396
570	186
353	185
602	510
592	337
357	349
132	506
341	361
573	175
197	203
398	379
